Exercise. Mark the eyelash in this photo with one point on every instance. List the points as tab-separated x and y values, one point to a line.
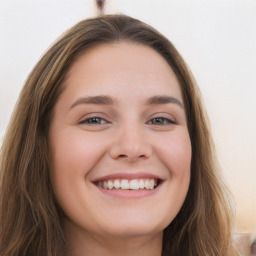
166	121
93	121
99	121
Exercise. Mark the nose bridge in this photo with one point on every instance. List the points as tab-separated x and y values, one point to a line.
131	142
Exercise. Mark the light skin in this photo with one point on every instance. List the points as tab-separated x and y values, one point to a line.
121	116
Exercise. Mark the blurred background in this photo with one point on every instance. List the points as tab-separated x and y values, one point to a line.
217	38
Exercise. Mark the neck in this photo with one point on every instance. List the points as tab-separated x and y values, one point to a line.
87	244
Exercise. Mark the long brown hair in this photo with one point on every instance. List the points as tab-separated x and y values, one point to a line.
30	222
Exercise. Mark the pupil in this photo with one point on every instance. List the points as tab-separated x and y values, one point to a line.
94	120
158	120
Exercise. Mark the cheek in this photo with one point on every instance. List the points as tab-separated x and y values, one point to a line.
176	157
172	153
75	153
73	156
175	154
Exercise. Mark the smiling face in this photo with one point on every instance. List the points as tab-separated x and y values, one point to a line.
119	143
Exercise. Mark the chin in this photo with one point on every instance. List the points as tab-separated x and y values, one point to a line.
133	227
133	231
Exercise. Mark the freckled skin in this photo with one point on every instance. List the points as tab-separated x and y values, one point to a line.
123	140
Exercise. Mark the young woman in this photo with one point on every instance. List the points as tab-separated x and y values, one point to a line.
109	152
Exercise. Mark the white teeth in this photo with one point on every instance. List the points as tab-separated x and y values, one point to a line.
110	184
125	184
134	184
142	184
151	184
117	184
147	184
105	184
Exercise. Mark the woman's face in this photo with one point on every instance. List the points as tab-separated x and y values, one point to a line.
119	143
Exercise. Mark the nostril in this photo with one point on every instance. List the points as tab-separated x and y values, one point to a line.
130	151
132	158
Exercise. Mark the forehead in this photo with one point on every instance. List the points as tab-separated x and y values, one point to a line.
123	66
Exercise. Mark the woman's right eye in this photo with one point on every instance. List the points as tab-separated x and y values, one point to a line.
94	121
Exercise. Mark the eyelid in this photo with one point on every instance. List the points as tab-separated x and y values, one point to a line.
165	116
92	116
86	121
169	121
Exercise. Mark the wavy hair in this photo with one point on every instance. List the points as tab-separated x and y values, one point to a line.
30	221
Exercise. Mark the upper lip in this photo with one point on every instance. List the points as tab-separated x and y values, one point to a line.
128	176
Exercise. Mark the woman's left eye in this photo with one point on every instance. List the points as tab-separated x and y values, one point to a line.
93	121
161	121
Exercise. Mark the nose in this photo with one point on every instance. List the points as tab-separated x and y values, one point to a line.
132	144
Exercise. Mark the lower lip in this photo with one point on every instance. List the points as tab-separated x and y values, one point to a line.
140	193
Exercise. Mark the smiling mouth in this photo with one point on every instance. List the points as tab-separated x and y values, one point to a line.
125	184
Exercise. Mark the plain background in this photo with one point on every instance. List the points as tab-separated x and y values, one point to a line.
216	38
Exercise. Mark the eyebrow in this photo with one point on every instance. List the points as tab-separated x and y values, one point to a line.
164	100
106	100
98	100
